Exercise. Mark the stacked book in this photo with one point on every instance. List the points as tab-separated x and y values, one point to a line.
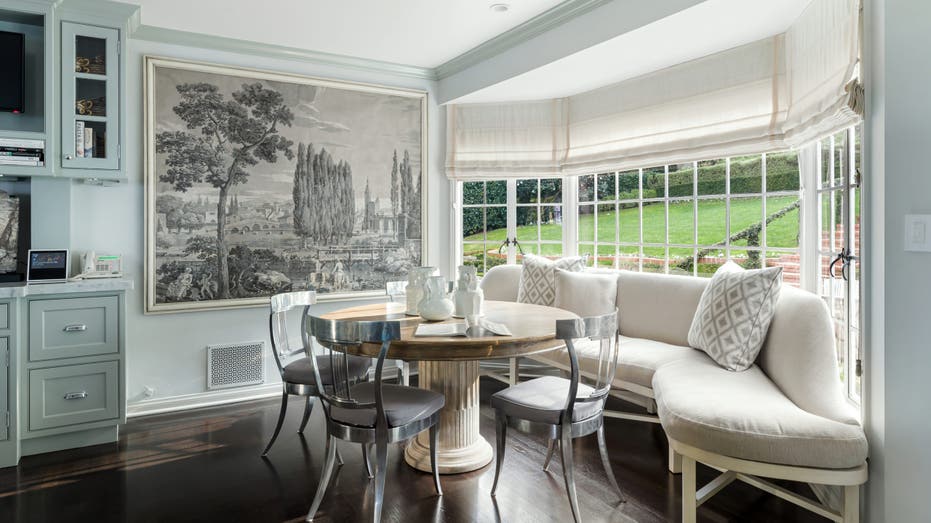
24	153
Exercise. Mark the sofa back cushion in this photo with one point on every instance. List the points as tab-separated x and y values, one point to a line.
657	306
799	357
501	283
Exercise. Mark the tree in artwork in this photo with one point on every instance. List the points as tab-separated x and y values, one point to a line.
223	139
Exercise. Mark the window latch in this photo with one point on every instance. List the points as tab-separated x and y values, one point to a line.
845	257
508	242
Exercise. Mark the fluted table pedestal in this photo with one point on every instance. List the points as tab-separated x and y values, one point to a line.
460	446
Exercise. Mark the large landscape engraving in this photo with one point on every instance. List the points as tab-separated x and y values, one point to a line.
259	183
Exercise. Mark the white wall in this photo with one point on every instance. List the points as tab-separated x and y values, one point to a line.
899	486
166	352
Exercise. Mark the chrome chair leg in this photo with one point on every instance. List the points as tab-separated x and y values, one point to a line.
550	448
381	466
281	416
565	448
603	449
324	477
501	430
339	457
308	408
436	471
366	459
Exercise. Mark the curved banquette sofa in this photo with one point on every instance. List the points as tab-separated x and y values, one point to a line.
786	417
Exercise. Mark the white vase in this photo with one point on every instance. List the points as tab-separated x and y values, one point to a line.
435	306
415	283
467	298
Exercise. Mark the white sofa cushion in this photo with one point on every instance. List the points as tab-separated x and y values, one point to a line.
637	358
501	283
538	278
744	415
586	294
734	314
657	306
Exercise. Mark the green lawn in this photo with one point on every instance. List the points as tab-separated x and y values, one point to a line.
782	232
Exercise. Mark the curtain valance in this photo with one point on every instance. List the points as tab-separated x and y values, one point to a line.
772	94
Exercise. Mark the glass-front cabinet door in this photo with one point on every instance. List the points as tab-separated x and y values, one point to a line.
90	97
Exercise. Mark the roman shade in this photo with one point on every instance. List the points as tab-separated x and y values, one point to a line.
773	94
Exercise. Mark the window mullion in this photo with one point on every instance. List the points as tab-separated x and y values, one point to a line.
570	216
512	218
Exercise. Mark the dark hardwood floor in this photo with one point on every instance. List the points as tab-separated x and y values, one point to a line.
204	466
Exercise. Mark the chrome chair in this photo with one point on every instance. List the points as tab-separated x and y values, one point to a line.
297	378
568	409
370	413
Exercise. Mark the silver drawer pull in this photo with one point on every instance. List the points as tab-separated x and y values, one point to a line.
76	395
77	327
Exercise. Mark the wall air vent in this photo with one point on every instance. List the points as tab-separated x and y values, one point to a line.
235	365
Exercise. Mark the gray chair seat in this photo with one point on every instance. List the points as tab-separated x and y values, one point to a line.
403	405
543	399
301	371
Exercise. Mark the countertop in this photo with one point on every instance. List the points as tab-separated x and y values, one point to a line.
21	289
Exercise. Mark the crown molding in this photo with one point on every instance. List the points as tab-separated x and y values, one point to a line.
222	43
532	28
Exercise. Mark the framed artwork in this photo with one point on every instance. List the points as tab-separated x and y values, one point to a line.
259	183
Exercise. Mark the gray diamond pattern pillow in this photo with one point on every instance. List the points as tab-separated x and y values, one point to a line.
538	278
734	314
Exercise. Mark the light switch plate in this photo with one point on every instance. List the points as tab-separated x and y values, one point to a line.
918	232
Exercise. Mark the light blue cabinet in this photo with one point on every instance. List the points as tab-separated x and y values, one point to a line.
90	97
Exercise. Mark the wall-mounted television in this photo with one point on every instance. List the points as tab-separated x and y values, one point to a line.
12	72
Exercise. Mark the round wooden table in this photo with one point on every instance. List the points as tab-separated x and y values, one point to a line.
450	365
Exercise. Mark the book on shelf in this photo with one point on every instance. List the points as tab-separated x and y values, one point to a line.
79	139
22	143
88	142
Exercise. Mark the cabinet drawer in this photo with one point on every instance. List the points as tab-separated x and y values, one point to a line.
72	327
62	396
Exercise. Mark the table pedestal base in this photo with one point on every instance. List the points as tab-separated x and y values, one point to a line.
460	446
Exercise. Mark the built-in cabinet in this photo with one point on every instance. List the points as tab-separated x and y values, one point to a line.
63	379
90	97
74	86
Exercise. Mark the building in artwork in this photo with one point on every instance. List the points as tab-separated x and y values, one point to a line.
375	219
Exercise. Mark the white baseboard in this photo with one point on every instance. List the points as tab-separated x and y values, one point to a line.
202	399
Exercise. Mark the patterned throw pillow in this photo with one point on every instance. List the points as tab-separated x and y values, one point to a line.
538	278
734	314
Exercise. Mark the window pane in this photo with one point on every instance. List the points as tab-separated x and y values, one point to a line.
527	248
551	222
587	188
528	191
473	193
680	261
747	258
587	249
681	223
826	162
551	250
654	259
840	158
551	190
628	185
747	175
607	223
712	216
791	266
782	218
606	189
746	219
473	223
473	254
527	220
630	224
654	222
782	172
709	260
496	193
654	182
496	224
680	180
586	223
606	255
711	177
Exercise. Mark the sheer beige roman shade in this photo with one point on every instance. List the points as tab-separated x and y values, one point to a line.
772	94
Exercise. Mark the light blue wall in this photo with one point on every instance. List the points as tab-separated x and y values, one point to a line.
167	351
906	298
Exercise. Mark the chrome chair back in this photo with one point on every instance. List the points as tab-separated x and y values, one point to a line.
601	330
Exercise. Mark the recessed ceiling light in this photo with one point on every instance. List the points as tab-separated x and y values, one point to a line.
499	8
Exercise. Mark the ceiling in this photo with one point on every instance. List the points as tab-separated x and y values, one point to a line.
709	27
423	33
